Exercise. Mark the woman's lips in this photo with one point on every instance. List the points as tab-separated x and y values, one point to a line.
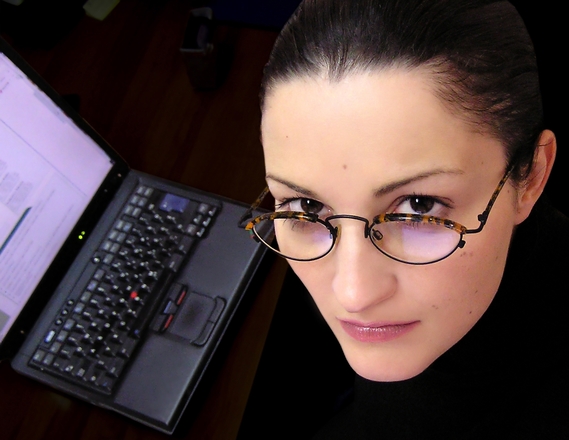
381	332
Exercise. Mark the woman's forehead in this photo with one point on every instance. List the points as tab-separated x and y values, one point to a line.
395	105
388	120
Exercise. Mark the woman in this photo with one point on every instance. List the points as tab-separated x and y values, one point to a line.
405	148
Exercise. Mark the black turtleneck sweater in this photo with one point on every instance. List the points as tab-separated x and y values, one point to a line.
507	378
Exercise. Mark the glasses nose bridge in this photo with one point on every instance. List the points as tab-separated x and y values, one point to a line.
366	222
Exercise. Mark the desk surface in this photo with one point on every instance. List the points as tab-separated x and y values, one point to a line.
133	88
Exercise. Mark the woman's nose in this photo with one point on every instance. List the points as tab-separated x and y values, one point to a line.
363	277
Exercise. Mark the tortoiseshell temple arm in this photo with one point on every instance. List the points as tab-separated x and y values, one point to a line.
244	220
482	218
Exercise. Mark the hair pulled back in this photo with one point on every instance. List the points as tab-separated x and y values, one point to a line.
478	54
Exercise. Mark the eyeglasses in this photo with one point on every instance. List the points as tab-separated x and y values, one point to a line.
408	238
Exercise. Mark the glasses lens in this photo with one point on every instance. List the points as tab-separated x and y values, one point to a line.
298	239
414	242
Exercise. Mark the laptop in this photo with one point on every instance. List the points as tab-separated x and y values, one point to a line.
116	287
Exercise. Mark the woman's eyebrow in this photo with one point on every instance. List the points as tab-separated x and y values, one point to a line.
291	185
378	192
390	187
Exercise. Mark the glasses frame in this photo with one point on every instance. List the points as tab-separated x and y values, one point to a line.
248	223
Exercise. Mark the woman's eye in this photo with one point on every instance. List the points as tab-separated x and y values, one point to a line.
304	205
423	205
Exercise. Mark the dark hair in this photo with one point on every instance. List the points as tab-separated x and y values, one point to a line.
478	53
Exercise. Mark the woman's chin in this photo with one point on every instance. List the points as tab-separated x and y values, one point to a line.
376	369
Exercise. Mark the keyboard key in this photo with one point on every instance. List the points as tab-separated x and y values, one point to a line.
49	337
38	356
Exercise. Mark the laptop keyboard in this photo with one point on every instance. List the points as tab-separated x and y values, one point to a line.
97	331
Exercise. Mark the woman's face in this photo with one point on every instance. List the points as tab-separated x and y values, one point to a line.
364	146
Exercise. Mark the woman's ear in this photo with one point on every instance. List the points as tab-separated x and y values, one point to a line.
542	164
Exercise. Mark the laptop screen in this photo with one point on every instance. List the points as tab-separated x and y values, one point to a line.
49	171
